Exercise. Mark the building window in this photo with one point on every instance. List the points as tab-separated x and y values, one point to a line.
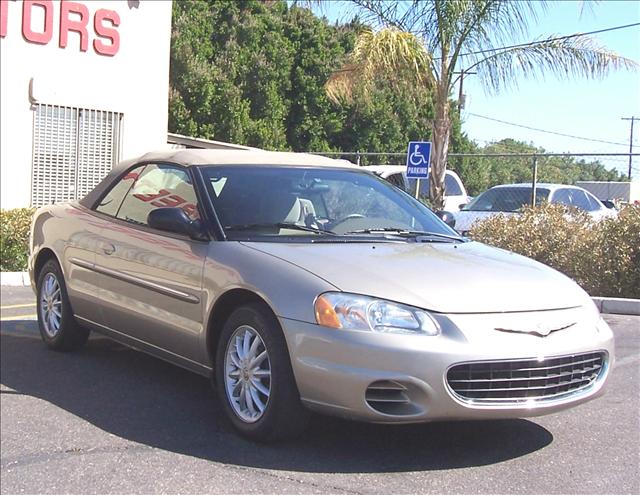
73	149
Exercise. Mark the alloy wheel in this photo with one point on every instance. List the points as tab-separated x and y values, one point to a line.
247	371
51	305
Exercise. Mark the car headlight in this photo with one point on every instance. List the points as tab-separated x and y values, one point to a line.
354	312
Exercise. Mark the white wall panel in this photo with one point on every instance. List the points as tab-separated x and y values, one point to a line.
134	83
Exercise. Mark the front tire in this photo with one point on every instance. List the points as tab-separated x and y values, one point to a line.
58	328
255	381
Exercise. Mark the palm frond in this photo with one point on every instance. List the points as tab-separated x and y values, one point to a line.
581	56
391	55
450	28
381	13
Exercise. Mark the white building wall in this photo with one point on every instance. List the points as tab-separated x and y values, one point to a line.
628	192
133	82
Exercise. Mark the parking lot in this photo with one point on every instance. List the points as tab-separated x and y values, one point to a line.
112	420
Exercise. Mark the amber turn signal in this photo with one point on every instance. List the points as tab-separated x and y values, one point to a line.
325	314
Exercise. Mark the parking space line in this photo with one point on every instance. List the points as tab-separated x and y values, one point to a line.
19	317
15	306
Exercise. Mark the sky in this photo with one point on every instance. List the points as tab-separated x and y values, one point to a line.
590	109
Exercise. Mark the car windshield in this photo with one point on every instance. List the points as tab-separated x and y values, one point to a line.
324	204
506	199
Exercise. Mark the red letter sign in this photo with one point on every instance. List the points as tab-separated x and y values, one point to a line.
66	24
106	32
4	10
41	38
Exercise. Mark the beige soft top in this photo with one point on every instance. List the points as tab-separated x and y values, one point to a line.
190	157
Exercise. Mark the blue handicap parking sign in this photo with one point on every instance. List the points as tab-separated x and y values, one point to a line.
418	159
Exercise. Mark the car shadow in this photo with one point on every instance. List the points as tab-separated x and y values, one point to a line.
145	400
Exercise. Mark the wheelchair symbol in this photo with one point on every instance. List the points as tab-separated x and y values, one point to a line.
416	158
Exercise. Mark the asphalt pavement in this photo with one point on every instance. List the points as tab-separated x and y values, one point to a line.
109	419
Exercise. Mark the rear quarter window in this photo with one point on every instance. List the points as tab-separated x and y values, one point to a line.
158	186
110	203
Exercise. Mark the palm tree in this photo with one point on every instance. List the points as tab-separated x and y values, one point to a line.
427	43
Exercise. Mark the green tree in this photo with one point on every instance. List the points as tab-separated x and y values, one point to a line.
254	73
422	45
229	71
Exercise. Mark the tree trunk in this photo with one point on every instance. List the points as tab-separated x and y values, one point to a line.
440	149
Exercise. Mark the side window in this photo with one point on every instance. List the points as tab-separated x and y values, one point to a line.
581	200
159	186
451	186
595	203
562	196
111	202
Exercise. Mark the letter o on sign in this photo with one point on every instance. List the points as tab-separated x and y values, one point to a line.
29	34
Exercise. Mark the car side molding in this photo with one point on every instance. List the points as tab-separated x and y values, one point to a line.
167	291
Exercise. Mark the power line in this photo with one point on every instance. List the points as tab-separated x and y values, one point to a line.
546	131
538	42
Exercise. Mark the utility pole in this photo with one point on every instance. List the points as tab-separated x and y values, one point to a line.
460	93
632	119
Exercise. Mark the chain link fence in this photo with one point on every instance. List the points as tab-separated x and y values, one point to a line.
521	178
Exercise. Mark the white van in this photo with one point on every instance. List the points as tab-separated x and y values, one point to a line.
455	194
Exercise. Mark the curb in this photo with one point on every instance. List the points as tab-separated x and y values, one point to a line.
617	305
15	279
606	305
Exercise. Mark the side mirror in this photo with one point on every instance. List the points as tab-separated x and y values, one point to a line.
447	217
175	220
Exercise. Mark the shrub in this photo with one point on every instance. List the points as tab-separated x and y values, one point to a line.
603	257
14	238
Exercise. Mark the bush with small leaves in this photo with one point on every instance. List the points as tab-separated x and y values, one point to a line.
603	257
14	238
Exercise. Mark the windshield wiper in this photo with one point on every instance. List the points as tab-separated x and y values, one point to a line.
405	232
279	225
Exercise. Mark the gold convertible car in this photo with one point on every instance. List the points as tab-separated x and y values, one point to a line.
302	283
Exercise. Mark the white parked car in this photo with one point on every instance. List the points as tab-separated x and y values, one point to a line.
454	190
508	199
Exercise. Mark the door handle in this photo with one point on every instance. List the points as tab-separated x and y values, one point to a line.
108	249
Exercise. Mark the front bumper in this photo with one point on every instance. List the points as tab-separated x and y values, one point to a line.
335	369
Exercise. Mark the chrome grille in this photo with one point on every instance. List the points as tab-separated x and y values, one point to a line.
519	381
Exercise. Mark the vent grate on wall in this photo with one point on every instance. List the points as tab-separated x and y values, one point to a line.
73	149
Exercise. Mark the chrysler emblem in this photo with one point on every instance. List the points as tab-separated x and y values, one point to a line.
541	329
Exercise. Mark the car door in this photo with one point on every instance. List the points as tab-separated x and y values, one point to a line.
151	281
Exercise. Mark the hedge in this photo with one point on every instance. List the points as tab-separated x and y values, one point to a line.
14	239
602	256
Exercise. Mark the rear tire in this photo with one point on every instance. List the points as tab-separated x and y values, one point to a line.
58	327
255	381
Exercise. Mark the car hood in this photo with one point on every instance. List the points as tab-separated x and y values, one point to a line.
443	277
